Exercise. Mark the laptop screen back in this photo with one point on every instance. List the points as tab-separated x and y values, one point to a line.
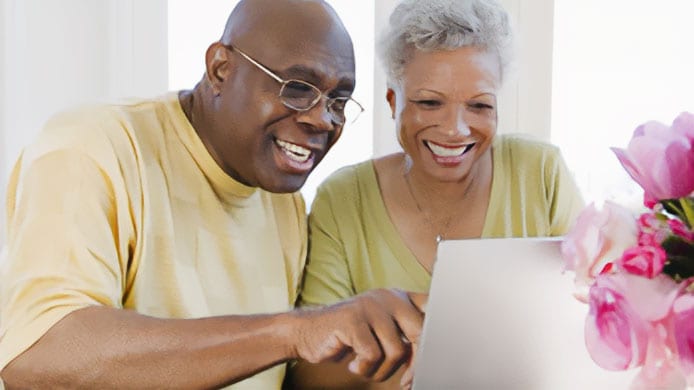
501	315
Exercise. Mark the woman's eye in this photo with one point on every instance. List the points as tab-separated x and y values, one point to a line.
481	106
428	103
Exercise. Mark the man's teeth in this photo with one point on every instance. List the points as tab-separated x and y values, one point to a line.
447	152
295	152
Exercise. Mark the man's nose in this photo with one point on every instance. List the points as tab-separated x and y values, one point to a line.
318	116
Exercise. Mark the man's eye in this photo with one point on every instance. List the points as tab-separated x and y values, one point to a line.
339	104
297	88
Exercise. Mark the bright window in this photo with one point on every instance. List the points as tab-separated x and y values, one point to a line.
617	64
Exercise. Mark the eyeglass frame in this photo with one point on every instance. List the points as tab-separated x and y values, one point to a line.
283	82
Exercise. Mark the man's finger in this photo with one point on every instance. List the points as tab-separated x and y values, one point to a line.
407	379
419	300
367	351
396	350
410	317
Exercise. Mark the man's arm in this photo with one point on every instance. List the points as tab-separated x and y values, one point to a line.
100	347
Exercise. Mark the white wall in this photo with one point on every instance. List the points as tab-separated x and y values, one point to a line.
384	137
525	103
58	54
3	92
525	100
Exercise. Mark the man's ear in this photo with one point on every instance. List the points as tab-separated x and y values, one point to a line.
390	97
218	66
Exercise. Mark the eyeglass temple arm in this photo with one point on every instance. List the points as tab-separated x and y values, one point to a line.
259	65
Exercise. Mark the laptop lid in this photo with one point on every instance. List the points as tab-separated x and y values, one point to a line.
501	315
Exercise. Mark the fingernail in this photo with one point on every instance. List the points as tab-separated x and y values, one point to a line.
353	367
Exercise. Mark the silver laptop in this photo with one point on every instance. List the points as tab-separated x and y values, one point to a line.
501	315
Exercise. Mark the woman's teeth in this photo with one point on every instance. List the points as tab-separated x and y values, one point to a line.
448	151
293	151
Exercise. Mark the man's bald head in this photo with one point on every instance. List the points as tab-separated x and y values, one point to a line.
238	108
279	25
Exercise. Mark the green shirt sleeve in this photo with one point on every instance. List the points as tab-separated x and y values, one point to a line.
327	278
563	194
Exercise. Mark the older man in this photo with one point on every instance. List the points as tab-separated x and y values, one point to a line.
161	243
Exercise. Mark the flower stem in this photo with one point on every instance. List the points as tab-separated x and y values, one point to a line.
688	210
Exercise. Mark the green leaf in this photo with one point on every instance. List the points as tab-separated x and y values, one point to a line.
680	258
673	207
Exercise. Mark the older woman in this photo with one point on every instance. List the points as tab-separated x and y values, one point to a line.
377	224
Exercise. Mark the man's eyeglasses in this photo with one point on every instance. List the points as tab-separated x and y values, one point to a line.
302	96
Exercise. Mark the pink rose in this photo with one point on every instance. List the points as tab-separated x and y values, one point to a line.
597	238
652	230
661	159
646	261
683	309
679	228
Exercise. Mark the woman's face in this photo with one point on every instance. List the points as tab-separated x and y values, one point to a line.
444	106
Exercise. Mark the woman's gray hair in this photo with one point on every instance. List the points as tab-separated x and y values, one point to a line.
432	25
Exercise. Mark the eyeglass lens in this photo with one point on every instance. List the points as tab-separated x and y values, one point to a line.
300	95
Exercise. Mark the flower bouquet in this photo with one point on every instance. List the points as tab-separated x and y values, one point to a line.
636	272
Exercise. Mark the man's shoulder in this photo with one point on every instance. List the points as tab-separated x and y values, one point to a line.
98	129
105	117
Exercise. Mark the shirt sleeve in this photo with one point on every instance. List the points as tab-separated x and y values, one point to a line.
563	194
327	277
62	251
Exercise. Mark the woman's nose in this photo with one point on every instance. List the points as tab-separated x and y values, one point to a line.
459	125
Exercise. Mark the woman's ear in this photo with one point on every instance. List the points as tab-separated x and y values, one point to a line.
218	66
390	97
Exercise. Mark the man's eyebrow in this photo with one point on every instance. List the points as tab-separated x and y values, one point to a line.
303	72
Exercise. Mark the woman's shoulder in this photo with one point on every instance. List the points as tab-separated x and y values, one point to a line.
364	172
347	177
526	147
520	141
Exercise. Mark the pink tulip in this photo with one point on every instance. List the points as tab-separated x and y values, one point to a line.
652	299
597	238
646	261
616	337
660	370
625	316
661	159
684	124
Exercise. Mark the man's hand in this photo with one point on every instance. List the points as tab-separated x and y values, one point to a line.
407	380
379	326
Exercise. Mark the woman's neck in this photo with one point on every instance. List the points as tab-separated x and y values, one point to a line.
439	193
